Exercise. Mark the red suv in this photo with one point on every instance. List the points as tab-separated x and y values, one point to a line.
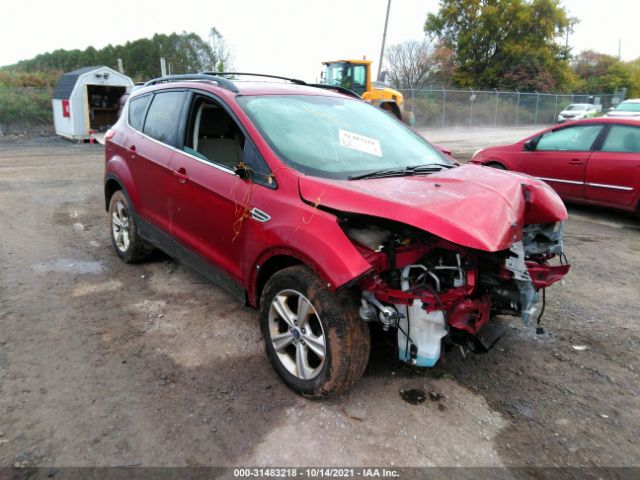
326	214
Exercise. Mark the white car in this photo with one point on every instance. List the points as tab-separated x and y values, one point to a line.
628	108
577	111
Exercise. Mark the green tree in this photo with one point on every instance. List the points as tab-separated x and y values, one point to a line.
505	43
184	53
601	73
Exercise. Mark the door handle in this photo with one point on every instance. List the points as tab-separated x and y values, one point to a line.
132	151
181	175
575	161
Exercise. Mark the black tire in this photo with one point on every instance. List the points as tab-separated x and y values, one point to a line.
496	165
126	241
334	314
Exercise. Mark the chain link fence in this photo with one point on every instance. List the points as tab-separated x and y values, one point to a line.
473	108
25	109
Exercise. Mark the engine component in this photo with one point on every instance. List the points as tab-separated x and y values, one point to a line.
543	239
420	334
528	296
388	316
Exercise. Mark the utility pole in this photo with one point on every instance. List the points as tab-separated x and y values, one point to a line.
384	37
619	49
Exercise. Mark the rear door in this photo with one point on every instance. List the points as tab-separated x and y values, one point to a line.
613	171
559	157
150	157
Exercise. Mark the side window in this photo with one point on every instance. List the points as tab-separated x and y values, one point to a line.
578	138
213	135
359	79
137	109
163	118
622	138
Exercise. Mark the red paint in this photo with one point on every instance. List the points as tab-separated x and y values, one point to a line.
594	176
467	209
66	113
470	206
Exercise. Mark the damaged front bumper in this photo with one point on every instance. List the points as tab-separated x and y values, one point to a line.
429	289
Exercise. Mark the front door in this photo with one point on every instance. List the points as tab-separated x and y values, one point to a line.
560	157
210	202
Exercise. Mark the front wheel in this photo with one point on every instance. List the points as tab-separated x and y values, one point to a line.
314	338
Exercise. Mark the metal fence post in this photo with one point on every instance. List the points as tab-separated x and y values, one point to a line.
517	105
495	116
444	107
537	104
471	98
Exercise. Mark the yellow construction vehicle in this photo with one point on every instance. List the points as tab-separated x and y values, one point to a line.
355	75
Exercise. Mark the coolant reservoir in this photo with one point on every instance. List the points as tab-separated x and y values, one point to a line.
425	331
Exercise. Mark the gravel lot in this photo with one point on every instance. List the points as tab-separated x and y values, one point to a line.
105	364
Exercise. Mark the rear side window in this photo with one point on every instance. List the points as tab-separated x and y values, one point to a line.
163	117
622	138
137	109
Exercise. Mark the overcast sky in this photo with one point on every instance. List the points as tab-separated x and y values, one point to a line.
285	37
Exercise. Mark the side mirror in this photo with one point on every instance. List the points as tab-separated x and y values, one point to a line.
530	145
244	171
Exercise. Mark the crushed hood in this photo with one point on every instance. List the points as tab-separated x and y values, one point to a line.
473	206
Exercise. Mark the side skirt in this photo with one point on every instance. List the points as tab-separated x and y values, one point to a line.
171	247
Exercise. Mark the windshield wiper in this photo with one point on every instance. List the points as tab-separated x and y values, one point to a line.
426	168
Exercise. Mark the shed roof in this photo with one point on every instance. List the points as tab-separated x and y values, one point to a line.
68	81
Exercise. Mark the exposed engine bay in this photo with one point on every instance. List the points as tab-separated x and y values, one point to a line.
428	288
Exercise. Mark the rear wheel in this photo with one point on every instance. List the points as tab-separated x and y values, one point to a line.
126	241
314	338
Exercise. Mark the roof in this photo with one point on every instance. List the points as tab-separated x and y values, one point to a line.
68	81
249	88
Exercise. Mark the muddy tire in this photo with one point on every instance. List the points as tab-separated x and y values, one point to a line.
128	244
314	338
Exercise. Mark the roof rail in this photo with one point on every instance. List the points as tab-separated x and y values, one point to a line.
342	90
211	77
229	85
292	80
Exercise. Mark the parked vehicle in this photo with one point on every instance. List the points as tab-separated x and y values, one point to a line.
326	214
577	111
355	75
594	161
629	109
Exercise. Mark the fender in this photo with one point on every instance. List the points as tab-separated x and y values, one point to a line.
117	169
317	242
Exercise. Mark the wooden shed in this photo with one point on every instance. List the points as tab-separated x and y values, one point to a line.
87	100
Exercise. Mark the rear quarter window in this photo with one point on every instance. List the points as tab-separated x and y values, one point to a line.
137	109
163	117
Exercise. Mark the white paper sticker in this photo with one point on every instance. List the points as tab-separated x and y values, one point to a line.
361	143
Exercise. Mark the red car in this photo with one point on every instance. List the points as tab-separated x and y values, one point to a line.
326	214
594	161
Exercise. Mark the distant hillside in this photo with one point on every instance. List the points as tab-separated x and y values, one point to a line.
184	53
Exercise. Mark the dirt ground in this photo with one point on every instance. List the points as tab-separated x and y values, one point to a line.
105	364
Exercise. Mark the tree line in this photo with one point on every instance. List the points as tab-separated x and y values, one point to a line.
506	45
184	53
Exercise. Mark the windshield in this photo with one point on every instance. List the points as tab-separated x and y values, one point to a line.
576	107
347	75
335	137
628	107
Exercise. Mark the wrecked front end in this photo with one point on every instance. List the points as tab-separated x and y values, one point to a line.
428	288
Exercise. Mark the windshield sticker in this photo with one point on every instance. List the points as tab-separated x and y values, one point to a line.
361	143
